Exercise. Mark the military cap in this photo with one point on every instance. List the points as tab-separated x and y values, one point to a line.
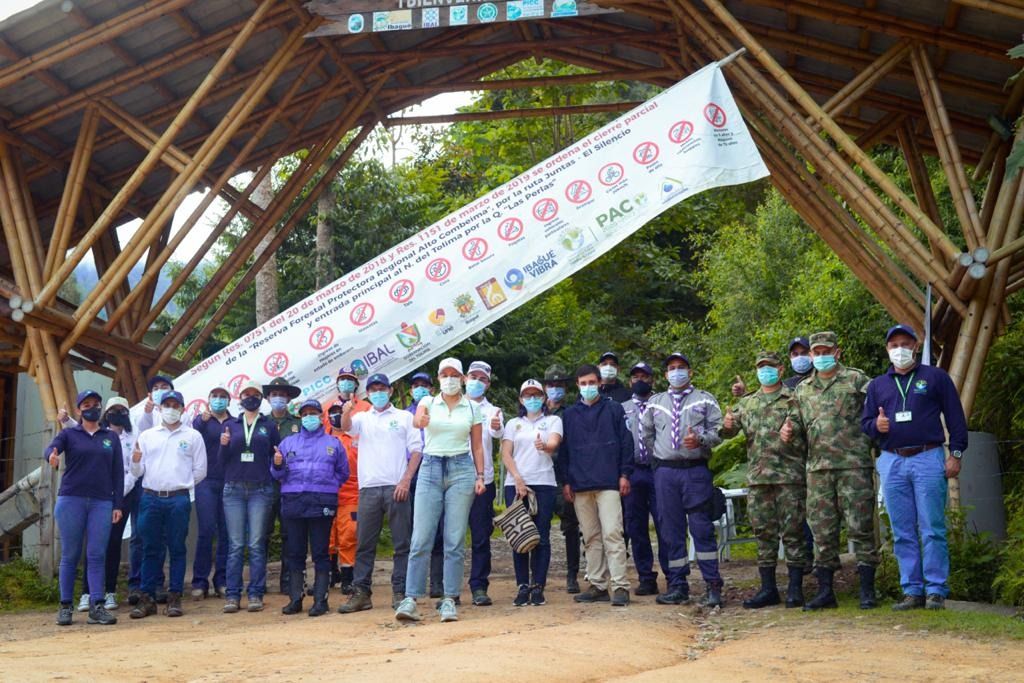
556	373
824	339
769	356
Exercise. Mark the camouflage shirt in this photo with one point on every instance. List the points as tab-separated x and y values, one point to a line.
760	416
287	425
830	410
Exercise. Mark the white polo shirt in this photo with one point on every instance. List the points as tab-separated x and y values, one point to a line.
534	467
385	436
171	459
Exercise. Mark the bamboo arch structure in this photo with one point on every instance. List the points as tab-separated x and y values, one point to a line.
111	112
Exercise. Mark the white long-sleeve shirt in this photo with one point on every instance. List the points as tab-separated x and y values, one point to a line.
488	436
172	459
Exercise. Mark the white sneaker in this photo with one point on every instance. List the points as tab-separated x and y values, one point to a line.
110	602
83	603
407	610
448	611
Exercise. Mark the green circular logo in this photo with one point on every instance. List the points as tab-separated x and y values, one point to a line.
487	12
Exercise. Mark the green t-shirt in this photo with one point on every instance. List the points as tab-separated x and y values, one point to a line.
448	431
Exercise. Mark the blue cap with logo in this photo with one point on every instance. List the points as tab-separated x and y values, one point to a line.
642	367
901	329
378	378
88	393
159	378
421	377
799	341
176	395
677	356
311	403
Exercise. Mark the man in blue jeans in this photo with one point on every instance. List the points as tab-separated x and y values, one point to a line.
210	501
172	458
903	412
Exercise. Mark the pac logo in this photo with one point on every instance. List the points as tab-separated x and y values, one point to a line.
514	279
491	293
408	335
436	317
464	305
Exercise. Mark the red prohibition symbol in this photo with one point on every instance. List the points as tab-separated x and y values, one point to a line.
235	383
510	229
402	291
196	407
475	249
439	269
276	364
646	153
714	115
545	210
680	132
321	338
611	173
578	191
362	315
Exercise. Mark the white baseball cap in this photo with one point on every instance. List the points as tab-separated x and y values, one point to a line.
453	363
117	401
531	384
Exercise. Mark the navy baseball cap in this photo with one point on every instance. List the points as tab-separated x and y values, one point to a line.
311	403
642	367
802	341
159	378
418	376
378	378
901	328
608	355
88	393
677	356
173	394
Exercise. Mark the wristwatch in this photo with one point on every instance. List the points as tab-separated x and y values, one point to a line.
957	454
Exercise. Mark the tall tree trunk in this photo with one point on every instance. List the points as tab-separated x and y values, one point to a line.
266	279
324	243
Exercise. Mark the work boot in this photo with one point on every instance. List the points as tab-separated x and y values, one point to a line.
294	605
649	587
161	596
321	581
359	602
620	597
335	571
713	598
593	594
134	595
769	593
173	608
795	590
826	597
347	575
935	602
909	602
481	599
98	614
678	595
867	586
144	607
572	584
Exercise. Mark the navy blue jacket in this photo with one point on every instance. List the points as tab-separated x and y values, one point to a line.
931	393
264	439
597	446
211	430
93	464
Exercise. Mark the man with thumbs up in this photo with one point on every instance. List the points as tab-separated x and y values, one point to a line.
776	463
903	413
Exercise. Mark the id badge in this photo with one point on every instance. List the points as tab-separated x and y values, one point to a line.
904	416
248	456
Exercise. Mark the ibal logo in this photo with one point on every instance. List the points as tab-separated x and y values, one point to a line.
361	367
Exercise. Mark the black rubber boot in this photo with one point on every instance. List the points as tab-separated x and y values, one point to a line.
868	599
769	593
335	571
294	606
347	575
572	554
320	585
826	597
795	590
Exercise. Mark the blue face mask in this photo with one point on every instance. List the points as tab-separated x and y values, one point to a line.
801	364
379	399
311	422
589	392
475	388
678	378
824	363
419	393
158	395
219	404
278	403
556	394
533	404
768	376
346	386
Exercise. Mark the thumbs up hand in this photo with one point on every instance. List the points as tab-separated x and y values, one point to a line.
730	420
690	440
225	438
54	459
786	433
62	414
539	444
136	453
496	421
739	387
882	422
278	457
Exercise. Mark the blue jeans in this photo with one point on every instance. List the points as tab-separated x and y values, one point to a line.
163	523
536	562
444	484
914	489
83	521
640	505
247	507
113	561
210	517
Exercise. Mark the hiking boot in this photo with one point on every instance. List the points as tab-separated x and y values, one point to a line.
83	603
144	607
161	596
935	601
134	595
199	594
173	608
321	584
537	595
826	597
98	614
447	610
407	611
867	586
713	598
620	597
481	599
347	575
396	599
593	594
572	585
110	602
523	596
294	605
255	603
646	588
231	606
795	590
675	596
769	593
359	602
65	615
909	602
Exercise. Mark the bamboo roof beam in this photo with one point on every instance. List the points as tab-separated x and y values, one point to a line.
864	81
1009	112
574	109
1007	8
535	82
919	178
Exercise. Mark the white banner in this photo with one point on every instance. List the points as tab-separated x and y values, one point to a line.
420	298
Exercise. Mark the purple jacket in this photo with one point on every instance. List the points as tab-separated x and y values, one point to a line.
314	462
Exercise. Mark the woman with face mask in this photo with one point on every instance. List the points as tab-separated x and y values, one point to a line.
89	502
450	474
246	451
527	447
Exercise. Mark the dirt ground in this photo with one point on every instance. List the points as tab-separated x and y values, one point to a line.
561	641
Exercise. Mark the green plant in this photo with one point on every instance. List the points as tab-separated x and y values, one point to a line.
1009	582
887	578
21	587
974	560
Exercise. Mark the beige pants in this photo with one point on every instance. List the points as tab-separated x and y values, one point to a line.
600	515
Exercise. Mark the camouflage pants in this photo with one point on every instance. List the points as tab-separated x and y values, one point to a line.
848	495
777	510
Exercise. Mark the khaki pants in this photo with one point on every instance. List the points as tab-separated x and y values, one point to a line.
600	515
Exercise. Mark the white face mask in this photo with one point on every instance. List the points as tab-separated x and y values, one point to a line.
608	372
450	386
901	357
170	415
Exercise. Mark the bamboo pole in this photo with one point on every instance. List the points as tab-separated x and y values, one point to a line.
1007	8
866	79
1009	112
919	179
155	153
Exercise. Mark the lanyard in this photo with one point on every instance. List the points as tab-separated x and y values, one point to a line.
903	392
248	430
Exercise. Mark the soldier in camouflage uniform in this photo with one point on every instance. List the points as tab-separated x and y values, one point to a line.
840	477
776	465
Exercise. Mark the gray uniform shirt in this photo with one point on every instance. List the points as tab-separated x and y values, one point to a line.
699	410
633	422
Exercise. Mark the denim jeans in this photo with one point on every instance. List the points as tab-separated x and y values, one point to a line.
247	507
163	524
444	484
114	542
82	521
914	489
535	563
210	517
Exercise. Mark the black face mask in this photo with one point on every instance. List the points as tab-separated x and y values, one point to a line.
252	402
119	419
335	419
91	414
641	388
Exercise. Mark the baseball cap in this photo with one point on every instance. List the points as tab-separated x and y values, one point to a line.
901	329
378	378
176	395
480	366
608	355
251	384
88	393
453	363
531	384
219	387
677	356
556	373
158	378
641	367
828	339
802	341
311	403
421	377
119	401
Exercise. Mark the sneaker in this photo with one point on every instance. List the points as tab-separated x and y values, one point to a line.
909	602
407	611
199	594
537	596
396	599
83	604
98	614
173	608
935	601
231	606
359	602
481	599
523	596
220	591
447	610
255	604
457	599
64	615
110	602
674	596
646	588
620	597
593	594
145	607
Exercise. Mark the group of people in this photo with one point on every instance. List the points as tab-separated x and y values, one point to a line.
608	464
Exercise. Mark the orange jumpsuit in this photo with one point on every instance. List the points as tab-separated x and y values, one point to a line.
343	532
